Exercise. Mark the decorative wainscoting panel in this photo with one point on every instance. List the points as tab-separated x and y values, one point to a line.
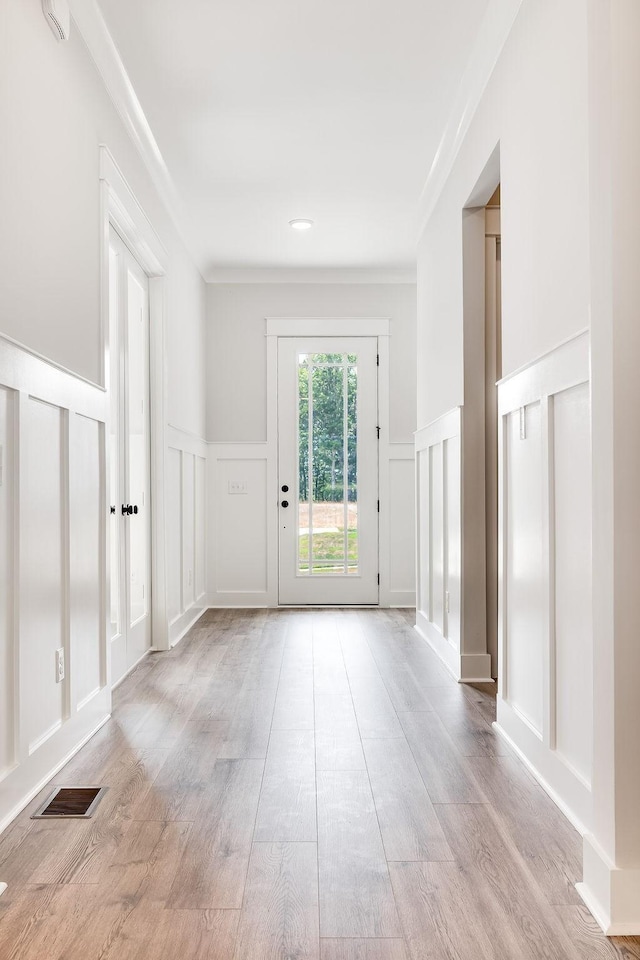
243	527
397	525
186	530
53	514
243	531
545	705
438	515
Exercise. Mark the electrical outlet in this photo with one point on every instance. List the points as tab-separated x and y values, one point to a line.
60	665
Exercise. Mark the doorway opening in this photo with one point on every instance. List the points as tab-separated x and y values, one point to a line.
493	373
129	460
328	470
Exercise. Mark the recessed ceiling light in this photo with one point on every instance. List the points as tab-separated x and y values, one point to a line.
301	224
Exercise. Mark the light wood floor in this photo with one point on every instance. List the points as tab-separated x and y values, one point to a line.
299	786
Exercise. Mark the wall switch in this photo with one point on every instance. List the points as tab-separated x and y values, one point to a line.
446	601
60	665
238	486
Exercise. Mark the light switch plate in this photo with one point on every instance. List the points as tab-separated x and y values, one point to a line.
237	486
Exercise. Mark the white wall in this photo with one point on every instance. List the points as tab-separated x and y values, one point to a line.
561	106
54	114
539	118
237	349
243	548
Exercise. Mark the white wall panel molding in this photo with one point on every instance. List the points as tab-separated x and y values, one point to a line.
53	565
439	509
397	524
186	493
243	532
545	697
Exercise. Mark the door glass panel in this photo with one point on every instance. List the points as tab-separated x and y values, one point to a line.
114	447
327	465
138	437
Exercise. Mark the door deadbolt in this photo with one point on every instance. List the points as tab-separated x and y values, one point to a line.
285	503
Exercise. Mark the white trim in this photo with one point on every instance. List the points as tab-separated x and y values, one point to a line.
3	887
328	326
442	428
179	439
90	23
570	814
612	887
121	210
44	780
491	38
179	627
133	666
372	275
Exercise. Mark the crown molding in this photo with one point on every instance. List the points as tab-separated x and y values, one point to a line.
91	25
310	275
495	28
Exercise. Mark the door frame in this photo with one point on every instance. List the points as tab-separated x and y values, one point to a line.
120	209
296	327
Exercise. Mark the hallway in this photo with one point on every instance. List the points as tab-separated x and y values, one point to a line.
299	784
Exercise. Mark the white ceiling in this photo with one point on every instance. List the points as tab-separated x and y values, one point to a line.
266	111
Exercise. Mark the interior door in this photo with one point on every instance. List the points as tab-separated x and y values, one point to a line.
130	531
328	470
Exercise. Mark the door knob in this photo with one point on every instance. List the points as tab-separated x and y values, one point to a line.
127	510
135	508
285	488
285	503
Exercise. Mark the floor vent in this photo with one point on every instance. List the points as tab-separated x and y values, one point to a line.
75	803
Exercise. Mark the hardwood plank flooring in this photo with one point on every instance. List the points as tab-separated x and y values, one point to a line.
355	890
305	784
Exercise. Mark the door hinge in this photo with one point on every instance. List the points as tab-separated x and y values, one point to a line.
377	359
378	506
378	579
378	430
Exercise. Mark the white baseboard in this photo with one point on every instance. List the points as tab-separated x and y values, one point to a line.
182	624
464	667
43	780
132	668
573	819
611	894
397	598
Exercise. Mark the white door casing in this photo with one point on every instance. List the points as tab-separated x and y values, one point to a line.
328	544
130	534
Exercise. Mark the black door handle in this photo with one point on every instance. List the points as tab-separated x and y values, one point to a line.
135	508
127	510
285	503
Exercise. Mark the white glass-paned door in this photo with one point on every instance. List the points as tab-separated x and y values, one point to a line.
129	466
328	470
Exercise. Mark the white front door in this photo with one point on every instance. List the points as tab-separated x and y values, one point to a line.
129	465
328	470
